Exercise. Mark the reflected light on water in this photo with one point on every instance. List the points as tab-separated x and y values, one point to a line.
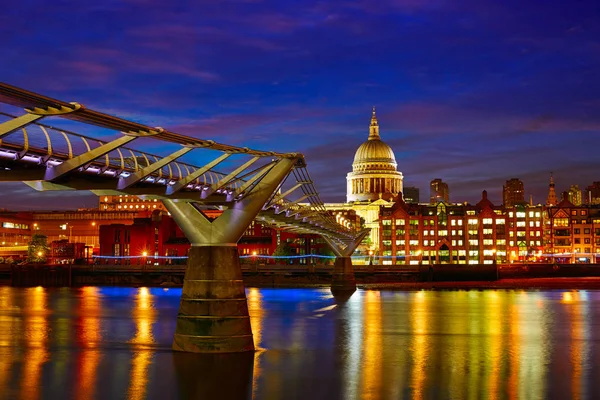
10	328
254	299
90	335
493	306
419	325
36	334
577	309
144	315
421	345
371	346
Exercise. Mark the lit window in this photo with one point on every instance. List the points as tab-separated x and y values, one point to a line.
487	221
499	221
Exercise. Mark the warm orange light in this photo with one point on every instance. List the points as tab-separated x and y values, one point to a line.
370	252
419	252
145	253
253	253
39	253
93	223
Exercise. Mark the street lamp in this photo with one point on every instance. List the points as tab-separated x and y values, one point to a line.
419	253
370	257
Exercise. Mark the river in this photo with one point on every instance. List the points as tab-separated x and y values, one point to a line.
113	343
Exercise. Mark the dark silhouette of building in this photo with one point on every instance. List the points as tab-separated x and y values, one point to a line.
411	194
592	193
552	200
438	191
513	192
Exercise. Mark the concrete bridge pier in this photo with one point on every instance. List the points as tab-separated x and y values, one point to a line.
343	281
213	313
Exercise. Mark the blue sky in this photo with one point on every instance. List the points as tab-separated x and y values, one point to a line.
473	92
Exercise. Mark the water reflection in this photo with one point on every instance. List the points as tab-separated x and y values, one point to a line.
36	335
143	314
89	336
115	343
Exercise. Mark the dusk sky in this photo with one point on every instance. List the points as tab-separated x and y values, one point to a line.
474	92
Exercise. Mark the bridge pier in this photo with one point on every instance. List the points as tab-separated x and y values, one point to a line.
213	313
343	281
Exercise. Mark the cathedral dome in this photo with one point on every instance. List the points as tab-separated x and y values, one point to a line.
374	175
374	154
374	151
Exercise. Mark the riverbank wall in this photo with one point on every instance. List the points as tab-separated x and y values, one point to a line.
283	275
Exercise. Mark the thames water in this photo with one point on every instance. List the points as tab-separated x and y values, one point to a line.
114	343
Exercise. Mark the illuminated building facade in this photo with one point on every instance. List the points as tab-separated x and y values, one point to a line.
438	191
80	226
15	233
160	236
573	232
575	195
513	192
129	203
459	234
374	175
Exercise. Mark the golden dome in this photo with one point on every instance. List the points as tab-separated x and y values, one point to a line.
374	153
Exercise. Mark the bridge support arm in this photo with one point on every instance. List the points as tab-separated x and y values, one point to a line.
76	162
18	123
137	176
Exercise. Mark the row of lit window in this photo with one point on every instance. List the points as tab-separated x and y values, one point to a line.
12	225
472	242
137	206
427	253
523	214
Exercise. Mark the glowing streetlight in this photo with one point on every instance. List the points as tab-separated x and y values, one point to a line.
94	223
145	253
39	254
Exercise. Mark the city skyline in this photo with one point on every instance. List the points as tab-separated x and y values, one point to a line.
495	92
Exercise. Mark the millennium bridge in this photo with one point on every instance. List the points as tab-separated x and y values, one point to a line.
270	187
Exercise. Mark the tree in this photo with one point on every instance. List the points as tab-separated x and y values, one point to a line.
283	249
38	248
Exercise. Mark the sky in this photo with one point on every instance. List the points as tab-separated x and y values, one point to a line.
474	92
